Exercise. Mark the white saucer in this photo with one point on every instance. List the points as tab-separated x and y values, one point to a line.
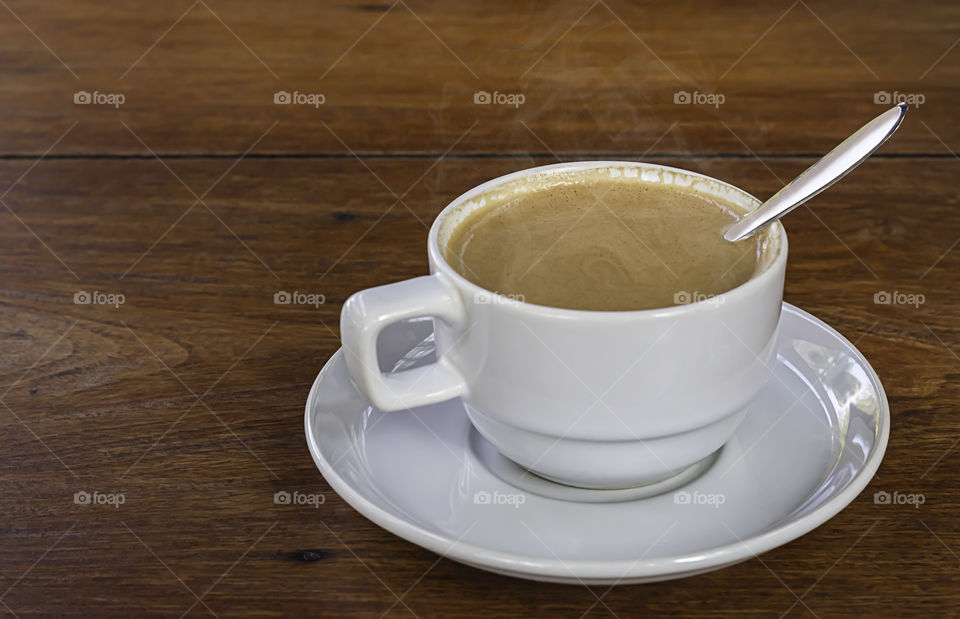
810	442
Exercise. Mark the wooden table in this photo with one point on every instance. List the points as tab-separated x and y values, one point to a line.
197	198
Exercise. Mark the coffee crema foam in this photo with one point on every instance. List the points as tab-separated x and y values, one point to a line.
596	240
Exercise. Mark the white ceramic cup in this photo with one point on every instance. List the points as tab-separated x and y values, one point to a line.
596	399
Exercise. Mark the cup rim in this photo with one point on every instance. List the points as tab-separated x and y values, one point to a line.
440	264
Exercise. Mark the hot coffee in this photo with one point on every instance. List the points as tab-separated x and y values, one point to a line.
594	241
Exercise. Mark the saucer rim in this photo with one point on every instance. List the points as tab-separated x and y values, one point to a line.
621	570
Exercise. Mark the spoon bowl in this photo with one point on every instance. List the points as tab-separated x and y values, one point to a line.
826	171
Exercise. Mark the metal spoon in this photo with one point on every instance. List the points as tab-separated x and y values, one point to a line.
826	171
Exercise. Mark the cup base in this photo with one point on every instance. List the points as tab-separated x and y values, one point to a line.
524	479
605	465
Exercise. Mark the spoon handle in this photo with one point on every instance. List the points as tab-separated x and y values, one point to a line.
826	171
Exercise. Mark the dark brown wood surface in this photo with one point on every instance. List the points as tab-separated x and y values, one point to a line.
198	198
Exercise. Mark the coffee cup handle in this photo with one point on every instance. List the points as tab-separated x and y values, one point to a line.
368	312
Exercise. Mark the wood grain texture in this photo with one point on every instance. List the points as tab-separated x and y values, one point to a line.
187	397
600	76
